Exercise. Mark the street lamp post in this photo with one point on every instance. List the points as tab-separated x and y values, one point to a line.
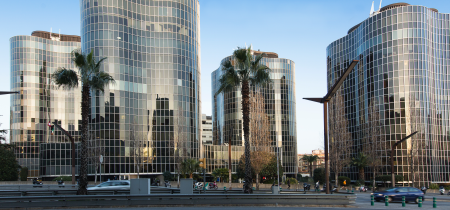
73	150
392	157
324	101
278	169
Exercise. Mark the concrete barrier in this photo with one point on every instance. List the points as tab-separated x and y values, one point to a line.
177	200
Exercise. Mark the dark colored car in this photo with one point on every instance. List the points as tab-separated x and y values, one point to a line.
396	194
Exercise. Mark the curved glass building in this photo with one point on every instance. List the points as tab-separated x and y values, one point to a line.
403	53
153	52
279	101
33	59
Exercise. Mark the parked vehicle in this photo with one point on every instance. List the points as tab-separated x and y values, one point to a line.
155	183
166	183
334	189
198	185
441	190
37	181
362	189
396	194
424	190
213	185
112	185
60	183
306	187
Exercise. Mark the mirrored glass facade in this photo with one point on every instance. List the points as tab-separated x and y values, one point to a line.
153	53
33	59
280	103
403	54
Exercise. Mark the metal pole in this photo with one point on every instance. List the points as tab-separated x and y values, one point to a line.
229	162
392	156
204	180
325	139
392	166
278	169
73	150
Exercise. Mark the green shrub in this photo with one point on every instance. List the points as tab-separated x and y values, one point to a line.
359	182
270	181
434	186
23	174
168	176
319	175
64	178
292	180
447	188
342	178
305	179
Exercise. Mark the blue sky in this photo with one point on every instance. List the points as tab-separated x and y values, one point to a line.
295	29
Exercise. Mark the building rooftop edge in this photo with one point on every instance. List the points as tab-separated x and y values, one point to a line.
388	7
61	37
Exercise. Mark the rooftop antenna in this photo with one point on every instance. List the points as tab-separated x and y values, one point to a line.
371	9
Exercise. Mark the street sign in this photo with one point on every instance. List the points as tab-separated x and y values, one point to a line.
101	158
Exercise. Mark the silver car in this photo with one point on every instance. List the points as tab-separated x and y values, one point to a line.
112	185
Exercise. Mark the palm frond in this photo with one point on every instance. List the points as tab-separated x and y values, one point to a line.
78	59
98	65
255	63
229	78
261	76
65	77
100	80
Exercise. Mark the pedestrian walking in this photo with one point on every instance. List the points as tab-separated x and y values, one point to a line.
289	183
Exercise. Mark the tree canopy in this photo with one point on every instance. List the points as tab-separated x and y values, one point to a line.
9	166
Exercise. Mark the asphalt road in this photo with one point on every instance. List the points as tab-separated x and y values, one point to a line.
362	202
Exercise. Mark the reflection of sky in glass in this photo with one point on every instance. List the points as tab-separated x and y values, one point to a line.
152	51
403	54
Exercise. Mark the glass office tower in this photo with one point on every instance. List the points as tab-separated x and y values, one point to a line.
153	52
403	53
33	59
279	101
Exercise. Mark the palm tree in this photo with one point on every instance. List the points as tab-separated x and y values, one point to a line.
189	166
310	159
91	77
361	162
247	71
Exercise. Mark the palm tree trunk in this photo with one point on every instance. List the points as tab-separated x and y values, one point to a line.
310	170
245	92
361	174
373	183
85	103
257	181
336	180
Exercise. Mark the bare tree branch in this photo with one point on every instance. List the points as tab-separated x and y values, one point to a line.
340	138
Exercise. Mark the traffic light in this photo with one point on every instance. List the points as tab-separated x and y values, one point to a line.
202	163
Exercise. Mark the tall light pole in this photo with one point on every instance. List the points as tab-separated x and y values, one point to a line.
73	150
392	157
324	101
278	169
